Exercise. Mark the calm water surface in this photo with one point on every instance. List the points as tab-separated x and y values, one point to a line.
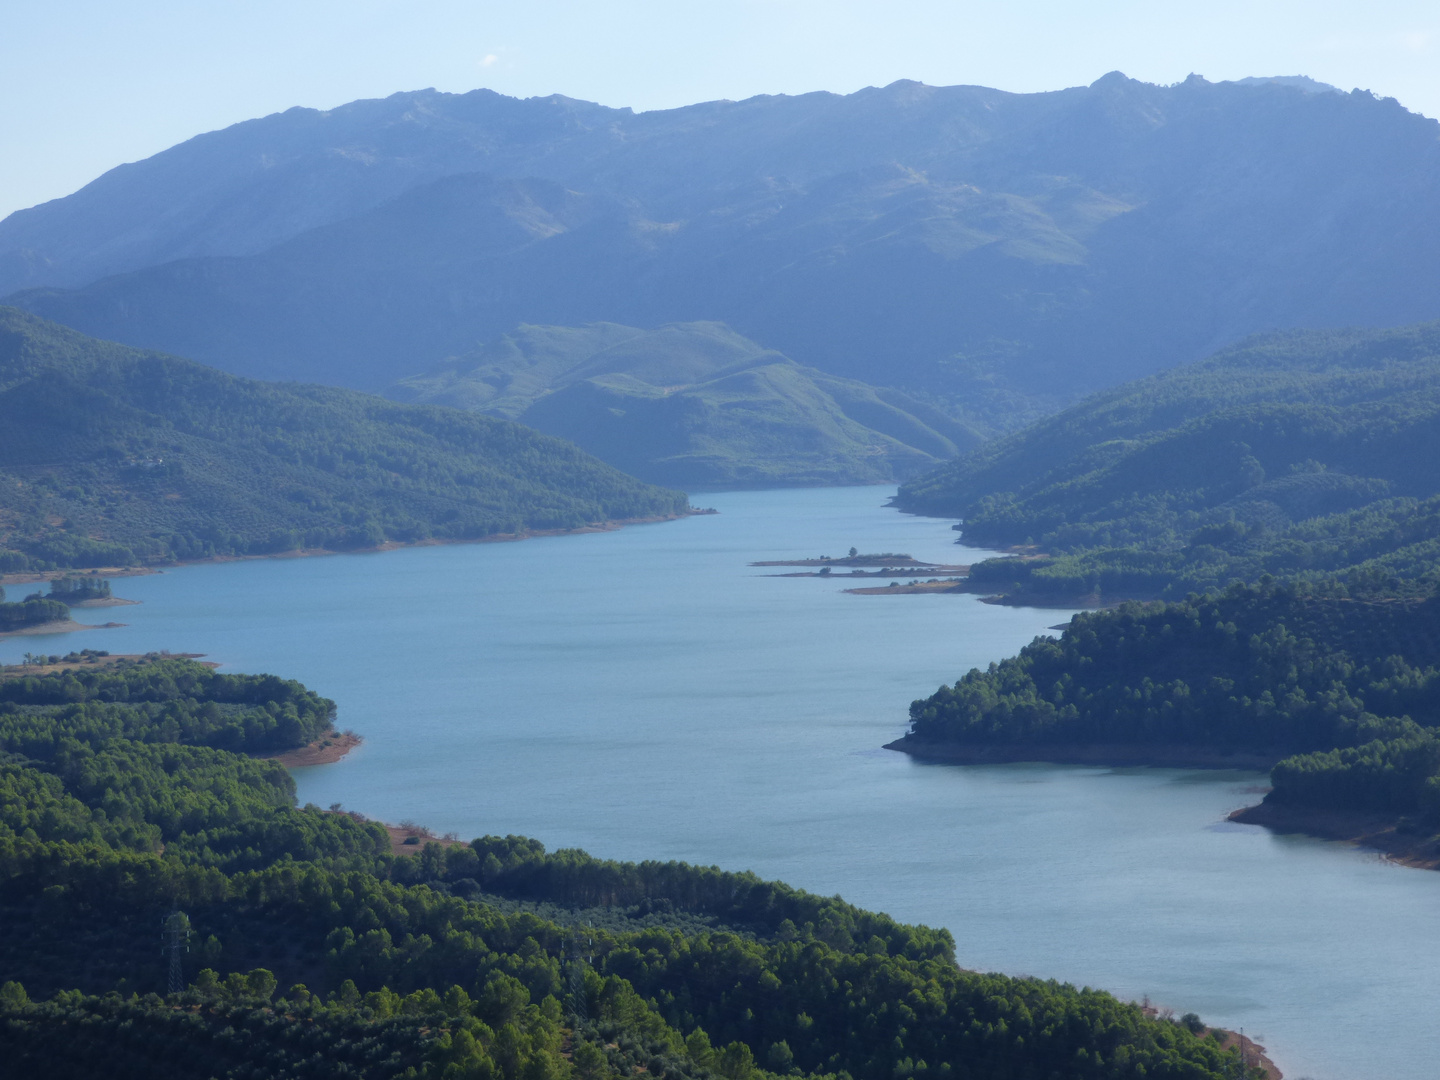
646	694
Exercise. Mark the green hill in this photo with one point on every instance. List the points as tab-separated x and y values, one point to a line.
1340	695
1297	455
112	456
694	404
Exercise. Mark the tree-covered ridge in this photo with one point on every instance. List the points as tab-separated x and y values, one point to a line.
1344	693
395	970
1293	455
110	456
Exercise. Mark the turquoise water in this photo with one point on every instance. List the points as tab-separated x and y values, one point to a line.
646	694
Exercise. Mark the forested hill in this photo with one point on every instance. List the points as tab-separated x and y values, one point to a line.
694	404
308	950
1009	251
1297	455
109	456
1341	694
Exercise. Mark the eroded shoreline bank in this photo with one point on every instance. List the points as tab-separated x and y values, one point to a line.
1384	835
1376	832
1113	755
37	576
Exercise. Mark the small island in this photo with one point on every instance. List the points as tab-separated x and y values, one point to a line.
854	558
943	577
41	613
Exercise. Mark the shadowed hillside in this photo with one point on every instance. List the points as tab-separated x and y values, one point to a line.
694	404
109	456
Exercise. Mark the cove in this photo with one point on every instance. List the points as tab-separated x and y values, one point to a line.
646	694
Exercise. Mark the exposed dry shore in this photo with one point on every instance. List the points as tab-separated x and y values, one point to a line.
35	577
911	588
326	750
409	839
29	578
1375	831
13	671
1116	755
59	626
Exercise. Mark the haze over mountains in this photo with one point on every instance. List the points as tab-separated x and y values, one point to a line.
1004	253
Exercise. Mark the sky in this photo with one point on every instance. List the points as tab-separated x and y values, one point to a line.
87	85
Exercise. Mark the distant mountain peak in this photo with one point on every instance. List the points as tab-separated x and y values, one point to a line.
1299	82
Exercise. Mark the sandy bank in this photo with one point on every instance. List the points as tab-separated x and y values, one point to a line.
109	601
1117	755
33	577
326	750
59	626
911	588
1377	832
417	837
28	578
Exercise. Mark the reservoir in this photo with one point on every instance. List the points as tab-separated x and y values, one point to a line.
645	693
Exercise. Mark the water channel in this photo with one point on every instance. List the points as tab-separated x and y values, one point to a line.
645	693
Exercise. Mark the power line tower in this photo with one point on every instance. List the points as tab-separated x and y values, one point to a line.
175	942
580	954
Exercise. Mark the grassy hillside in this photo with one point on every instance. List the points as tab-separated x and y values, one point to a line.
310	951
111	456
1296	455
694	404
1010	252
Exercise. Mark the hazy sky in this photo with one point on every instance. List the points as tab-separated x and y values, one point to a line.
86	85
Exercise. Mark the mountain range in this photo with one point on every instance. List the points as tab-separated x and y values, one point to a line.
1002	253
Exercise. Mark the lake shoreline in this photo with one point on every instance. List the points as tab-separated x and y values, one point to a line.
38	576
59	626
1109	755
1377	832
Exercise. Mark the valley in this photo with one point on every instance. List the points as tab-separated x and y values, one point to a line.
1139	381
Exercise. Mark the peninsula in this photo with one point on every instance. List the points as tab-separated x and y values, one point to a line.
148	804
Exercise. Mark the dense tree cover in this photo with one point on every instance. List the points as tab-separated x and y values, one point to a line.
128	756
33	611
74	589
160	699
398	967
111	456
1292	455
1346	691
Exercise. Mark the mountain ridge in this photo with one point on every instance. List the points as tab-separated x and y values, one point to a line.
1005	251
